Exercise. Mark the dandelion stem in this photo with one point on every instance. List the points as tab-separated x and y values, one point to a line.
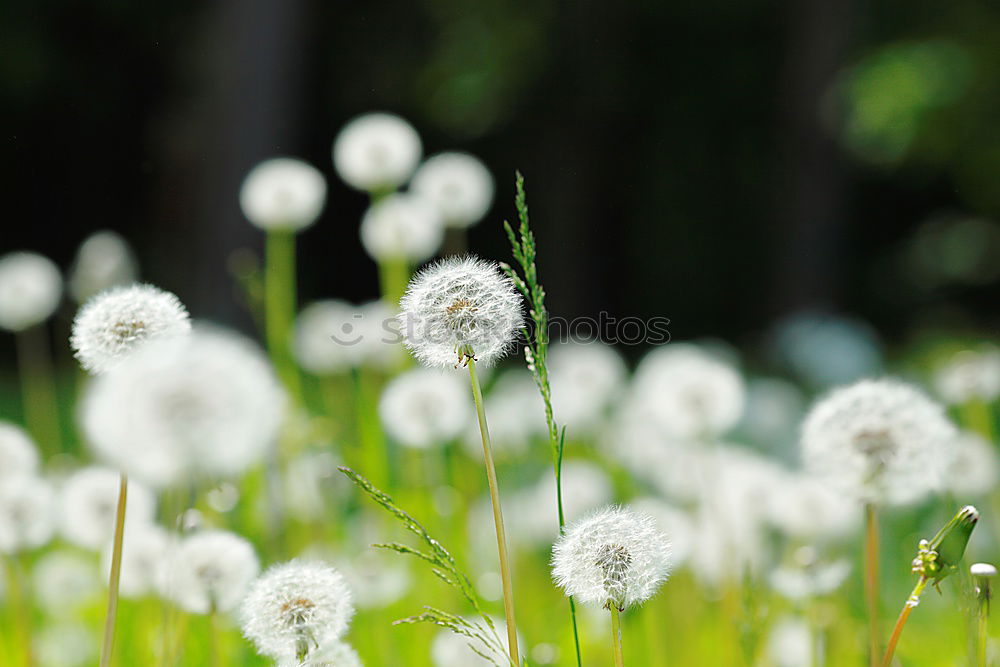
38	387
116	569
616	636
279	305
21	603
984	615
871	580
394	275
911	602
491	476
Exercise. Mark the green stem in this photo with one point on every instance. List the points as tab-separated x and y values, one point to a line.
491	476
41	412
374	446
394	276
871	581
21	605
911	602
107	648
279	306
978	418
616	637
984	615
562	529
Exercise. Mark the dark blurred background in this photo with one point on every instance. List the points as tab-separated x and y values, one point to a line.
717	163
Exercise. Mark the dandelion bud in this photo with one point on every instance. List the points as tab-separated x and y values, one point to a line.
18	453
209	571
30	289
939	557
402	226
460	308
103	261
879	440
297	610
283	193
376	152
614	557
458	184
115	323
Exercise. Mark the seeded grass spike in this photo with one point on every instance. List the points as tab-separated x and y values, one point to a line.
482	635
537	347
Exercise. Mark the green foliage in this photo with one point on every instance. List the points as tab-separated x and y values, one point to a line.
443	566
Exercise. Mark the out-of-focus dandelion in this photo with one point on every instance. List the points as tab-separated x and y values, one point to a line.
450	649
63	581
803	507
970	375
375	578
790	643
464	311
687	392
88	505
376	152
974	469
335	654
207	404
283	193
586	379
30	289
401	226
65	644
334	336
983	575
516	416
27	513
806	576
424	408
117	322
297	610
144	553
458	184
103	261
881	441
615	558
209	572
18	452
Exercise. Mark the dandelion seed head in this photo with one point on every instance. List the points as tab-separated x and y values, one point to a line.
612	557
805	507
104	260
460	307
790	643
18	452
67	643
296	607
982	570
970	375
974	468
376	152
332	336
119	321
30	289
207	404
209	570
586	378
375	578
27	513
449	649
336	654
800	581
878	440
283	193
688	392
425	407
402	226
88	503
458	184
671	521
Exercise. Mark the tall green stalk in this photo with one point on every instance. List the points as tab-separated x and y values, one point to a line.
41	412
871	581
279	306
536	351
491	477
616	637
107	647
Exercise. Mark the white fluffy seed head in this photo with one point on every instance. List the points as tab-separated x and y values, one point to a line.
974	469
104	260
209	570
689	393
206	404
425	408
144	553
982	570
30	290
402	226
27	513
970	375
878	440
63	580
296	608
88	503
586	379
336	654
376	152
458	184
460	307
283	193
117	322
612	557
333	336
18	452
